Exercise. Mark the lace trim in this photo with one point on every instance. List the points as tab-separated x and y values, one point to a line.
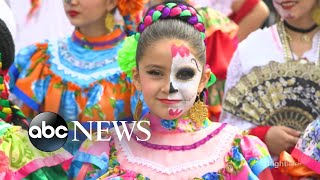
65	53
79	75
182	167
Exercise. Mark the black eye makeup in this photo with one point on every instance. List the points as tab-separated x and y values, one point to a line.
185	74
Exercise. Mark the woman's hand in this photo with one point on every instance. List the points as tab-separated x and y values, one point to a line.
281	138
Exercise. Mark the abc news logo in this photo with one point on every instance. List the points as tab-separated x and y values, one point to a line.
48	131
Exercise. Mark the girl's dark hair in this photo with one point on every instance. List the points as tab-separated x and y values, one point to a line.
173	28
7	49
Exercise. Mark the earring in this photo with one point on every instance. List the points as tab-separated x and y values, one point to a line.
198	112
109	22
138	109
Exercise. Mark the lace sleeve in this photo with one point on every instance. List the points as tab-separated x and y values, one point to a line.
234	74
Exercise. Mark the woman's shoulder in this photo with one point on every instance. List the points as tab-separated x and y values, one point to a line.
259	48
259	38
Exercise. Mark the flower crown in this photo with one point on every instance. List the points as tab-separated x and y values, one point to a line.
170	10
173	11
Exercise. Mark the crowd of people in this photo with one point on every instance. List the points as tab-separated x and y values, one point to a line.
229	91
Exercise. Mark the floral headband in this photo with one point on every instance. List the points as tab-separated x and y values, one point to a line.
173	11
127	54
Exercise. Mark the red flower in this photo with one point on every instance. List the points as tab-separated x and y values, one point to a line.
130	7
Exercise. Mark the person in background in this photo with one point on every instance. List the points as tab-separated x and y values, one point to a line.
250	15
19	158
78	77
294	38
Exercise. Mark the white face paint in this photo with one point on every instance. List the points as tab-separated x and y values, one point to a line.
185	77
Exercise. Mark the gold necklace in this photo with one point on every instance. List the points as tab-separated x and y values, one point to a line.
288	53
303	32
304	38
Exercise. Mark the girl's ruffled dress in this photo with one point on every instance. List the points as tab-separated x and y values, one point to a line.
215	151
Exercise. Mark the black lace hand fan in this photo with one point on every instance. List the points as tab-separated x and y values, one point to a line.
277	94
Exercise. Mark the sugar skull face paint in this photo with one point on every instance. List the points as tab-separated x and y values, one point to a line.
169	76
185	76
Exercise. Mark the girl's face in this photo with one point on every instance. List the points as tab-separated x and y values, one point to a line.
294	9
83	13
170	77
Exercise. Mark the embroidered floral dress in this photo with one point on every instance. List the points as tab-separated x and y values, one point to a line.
177	149
77	77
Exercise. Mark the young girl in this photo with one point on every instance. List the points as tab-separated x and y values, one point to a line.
304	161
170	56
78	77
19	159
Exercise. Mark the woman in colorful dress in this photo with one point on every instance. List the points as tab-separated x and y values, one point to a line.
304	161
78	77
295	37
171	73
19	159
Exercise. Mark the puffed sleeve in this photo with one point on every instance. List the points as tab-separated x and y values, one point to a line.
256	154
91	161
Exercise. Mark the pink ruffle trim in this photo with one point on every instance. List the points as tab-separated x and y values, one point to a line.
39	163
306	160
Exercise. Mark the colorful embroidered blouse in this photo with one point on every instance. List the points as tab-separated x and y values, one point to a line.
222	154
77	77
19	159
